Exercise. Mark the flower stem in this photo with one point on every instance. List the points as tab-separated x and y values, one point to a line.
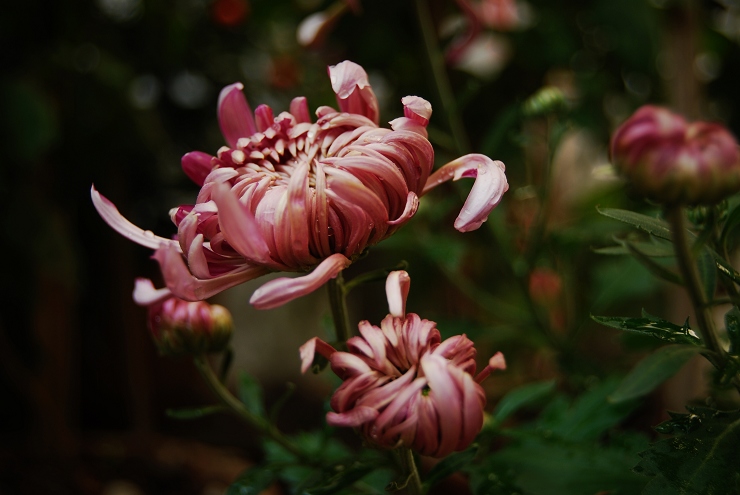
439	73
338	303
690	274
239	409
413	481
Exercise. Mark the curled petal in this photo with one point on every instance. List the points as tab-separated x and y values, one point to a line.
197	165
234	115
490	185
397	290
308	351
145	294
352	418
417	109
354	94
281	290
412	204
118	222
185	286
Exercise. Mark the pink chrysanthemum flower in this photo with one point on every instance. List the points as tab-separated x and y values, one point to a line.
289	194
403	386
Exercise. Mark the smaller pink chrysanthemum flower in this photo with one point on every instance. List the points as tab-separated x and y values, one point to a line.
183	327
674	161
403	386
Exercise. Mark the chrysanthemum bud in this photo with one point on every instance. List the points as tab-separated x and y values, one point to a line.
672	161
181	327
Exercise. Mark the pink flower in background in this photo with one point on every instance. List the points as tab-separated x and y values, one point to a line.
290	194
674	161
402	385
182	327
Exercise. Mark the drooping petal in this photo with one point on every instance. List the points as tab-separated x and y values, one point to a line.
490	185
308	351
354	94
239	226
197	165
397	286
234	115
281	290
352	418
118	222
185	286
145	294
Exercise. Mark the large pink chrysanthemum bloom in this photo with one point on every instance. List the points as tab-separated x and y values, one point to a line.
403	387
289	194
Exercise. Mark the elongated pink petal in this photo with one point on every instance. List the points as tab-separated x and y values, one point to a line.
354	94
118	222
197	165
308	351
281	290
145	294
234	115
299	109
447	398
185	286
397	287
352	418
490	185
239	226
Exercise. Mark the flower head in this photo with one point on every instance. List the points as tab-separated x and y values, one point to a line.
182	327
403	385
290	194
673	161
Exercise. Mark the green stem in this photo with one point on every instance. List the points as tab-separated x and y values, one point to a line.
439	73
239	409
413	481
338	303
690	274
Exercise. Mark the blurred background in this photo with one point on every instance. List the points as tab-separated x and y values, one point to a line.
114	92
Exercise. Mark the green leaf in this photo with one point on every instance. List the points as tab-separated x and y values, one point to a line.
652	249
651	225
253	481
343	477
724	267
449	465
651	326
195	413
702	457
654	370
250	393
731	223
522	397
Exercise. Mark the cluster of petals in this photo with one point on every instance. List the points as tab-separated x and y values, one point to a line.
674	161
290	194
402	385
181	327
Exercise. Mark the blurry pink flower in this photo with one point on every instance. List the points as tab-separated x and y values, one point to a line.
289	194
402	385
181	327
673	161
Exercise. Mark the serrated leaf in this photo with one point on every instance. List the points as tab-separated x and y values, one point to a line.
653	267
654	370
651	326
344	477
253	481
647	248
651	225
195	412
700	459
449	465
724	267
250	393
522	397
